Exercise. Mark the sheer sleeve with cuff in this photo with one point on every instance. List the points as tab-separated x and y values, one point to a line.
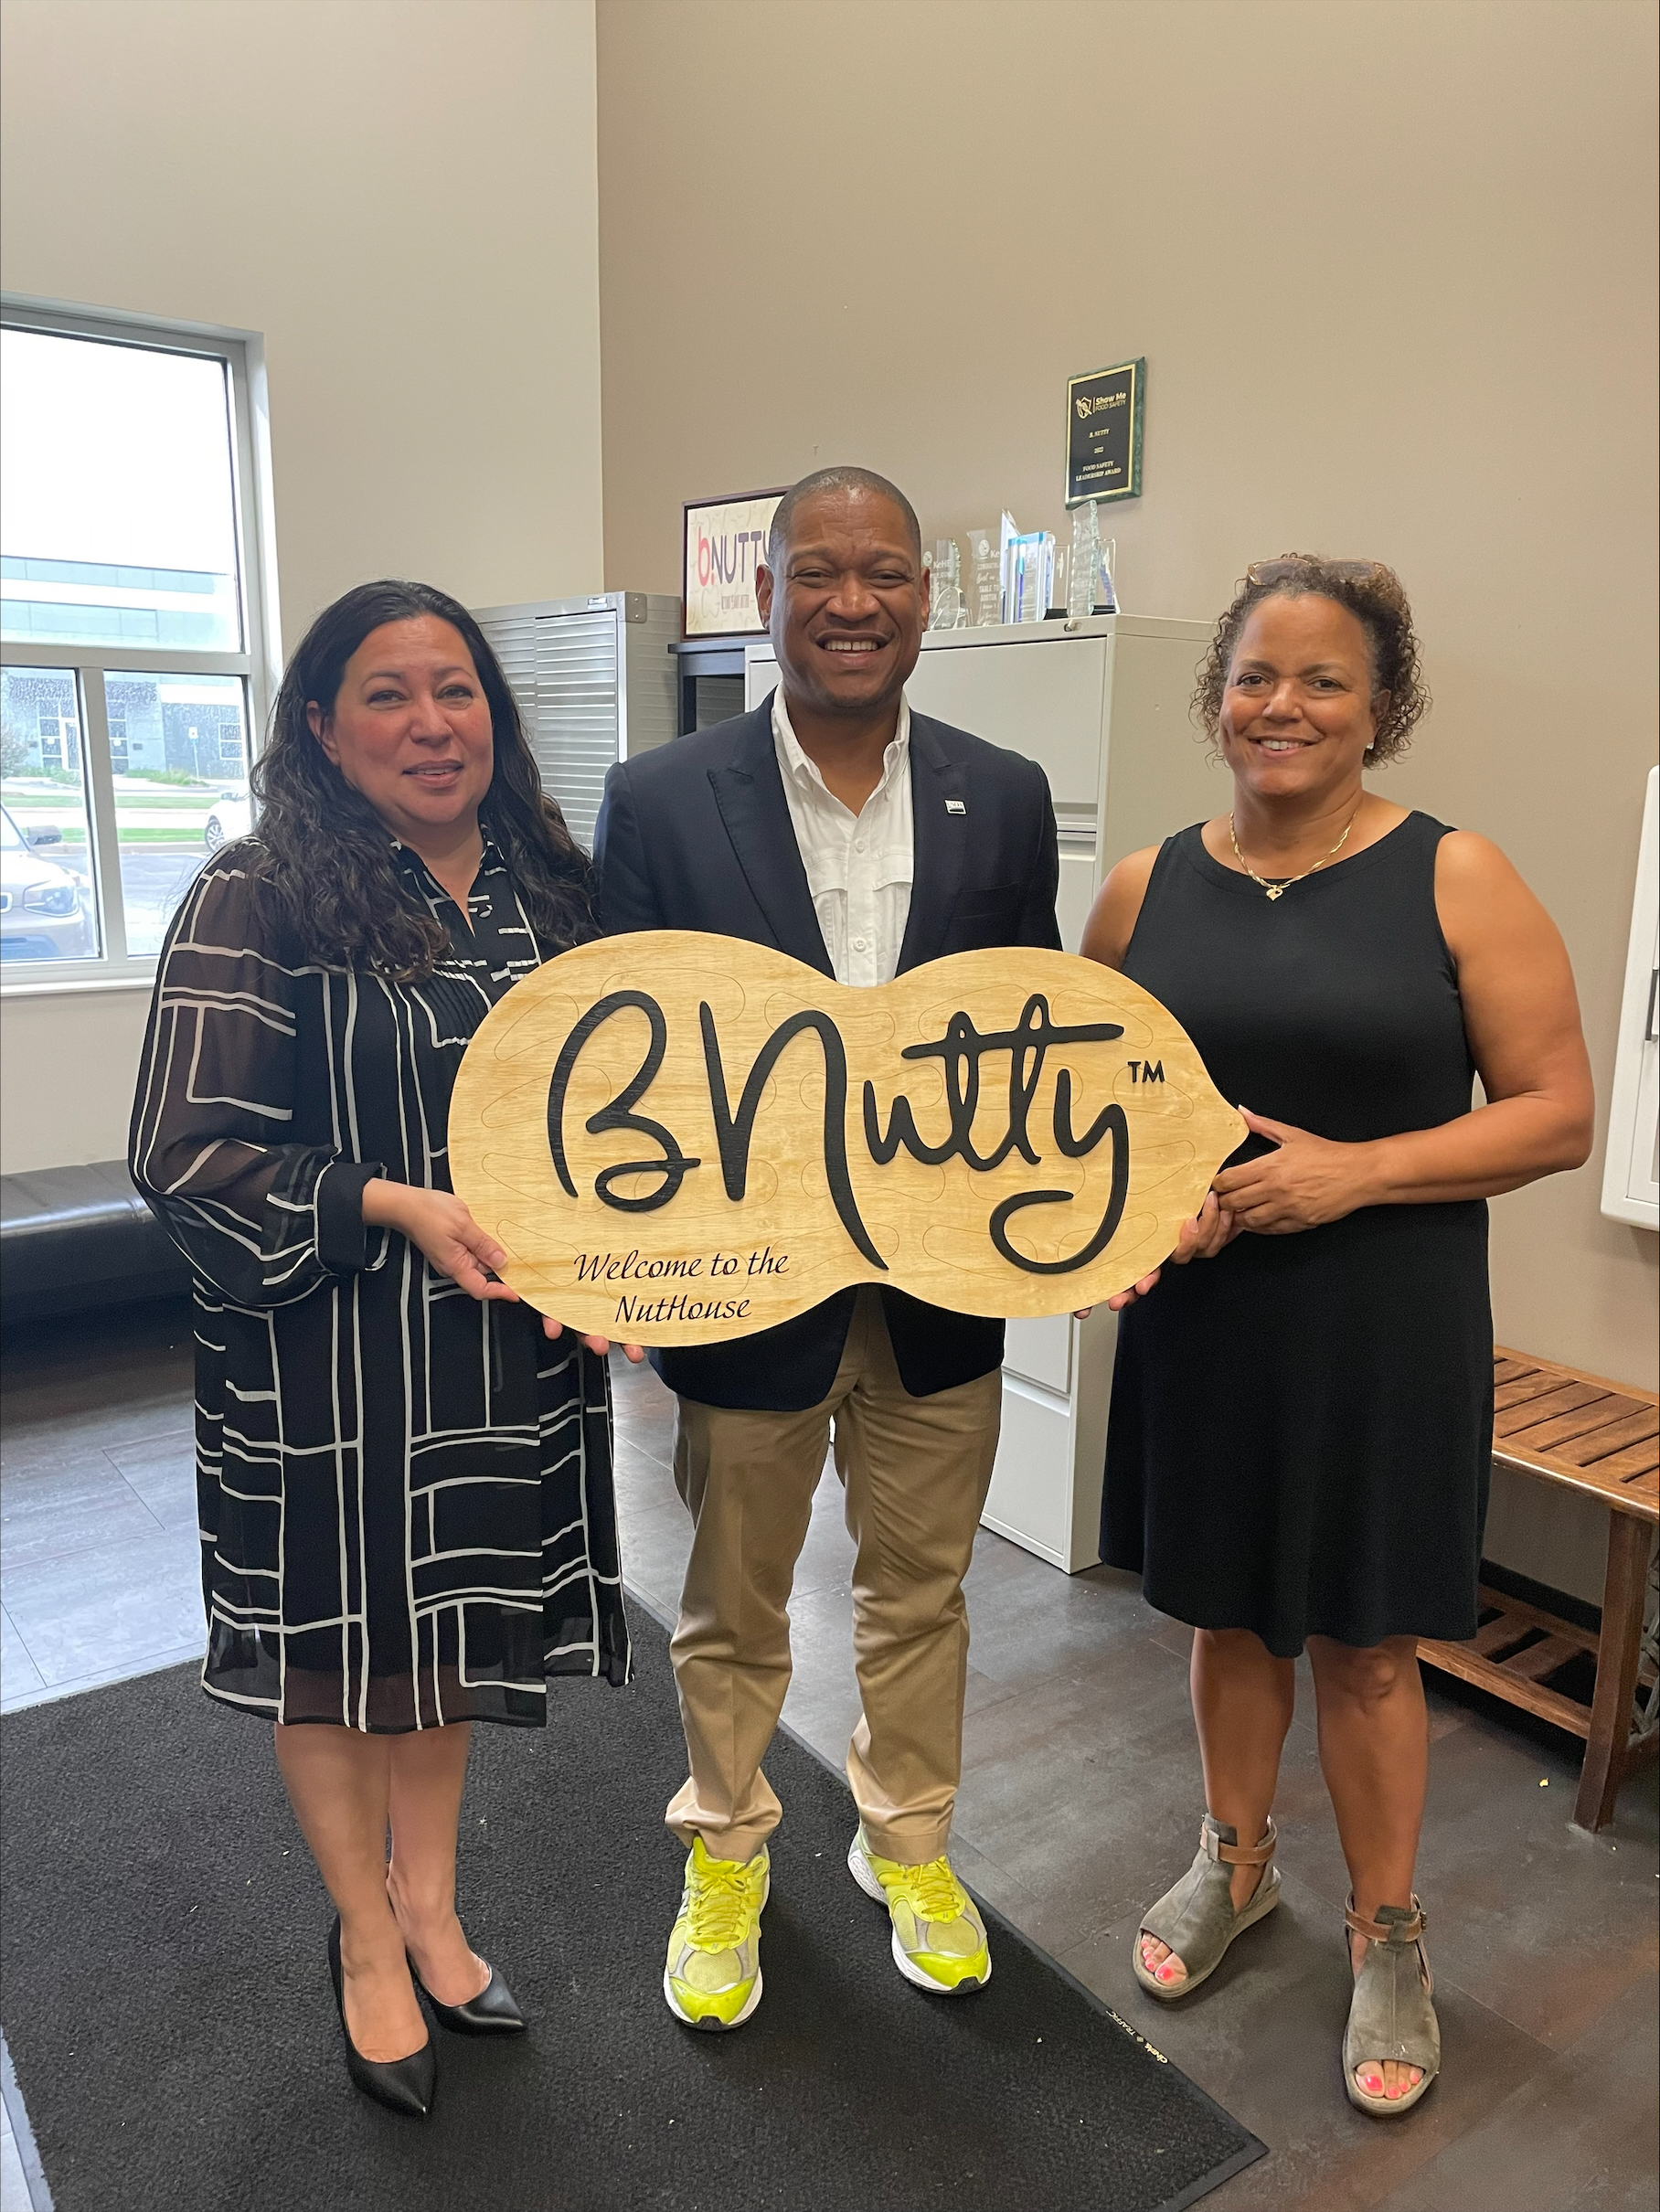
262	1218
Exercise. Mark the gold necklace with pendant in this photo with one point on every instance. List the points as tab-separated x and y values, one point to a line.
1275	890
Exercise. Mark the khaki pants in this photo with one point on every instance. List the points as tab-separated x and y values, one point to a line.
915	1470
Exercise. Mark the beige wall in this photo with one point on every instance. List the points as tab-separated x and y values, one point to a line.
400	194
68	1061
1393	269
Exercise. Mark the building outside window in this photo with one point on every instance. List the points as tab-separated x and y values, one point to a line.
137	628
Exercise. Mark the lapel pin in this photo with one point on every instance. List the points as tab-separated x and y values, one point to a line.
955	806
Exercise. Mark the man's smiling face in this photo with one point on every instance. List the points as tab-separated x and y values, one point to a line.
847	613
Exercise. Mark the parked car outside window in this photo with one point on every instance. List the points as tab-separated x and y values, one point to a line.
232	816
44	913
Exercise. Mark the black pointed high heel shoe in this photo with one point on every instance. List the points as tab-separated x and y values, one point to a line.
494	2011
402	2085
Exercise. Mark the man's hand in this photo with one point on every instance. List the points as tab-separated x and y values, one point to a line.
1305	1182
601	1345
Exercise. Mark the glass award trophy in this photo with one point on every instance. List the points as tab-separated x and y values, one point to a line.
1090	586
1028	576
983	553
1008	530
947	609
1086	557
1106	596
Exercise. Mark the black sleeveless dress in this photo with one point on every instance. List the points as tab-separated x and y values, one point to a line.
1301	1427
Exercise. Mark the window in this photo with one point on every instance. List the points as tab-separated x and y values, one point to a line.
136	621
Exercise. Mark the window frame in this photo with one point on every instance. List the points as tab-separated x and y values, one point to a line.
258	664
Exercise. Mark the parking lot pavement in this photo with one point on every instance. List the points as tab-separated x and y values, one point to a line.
152	882
153	879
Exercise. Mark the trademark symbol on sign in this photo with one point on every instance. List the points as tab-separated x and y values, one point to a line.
1145	1071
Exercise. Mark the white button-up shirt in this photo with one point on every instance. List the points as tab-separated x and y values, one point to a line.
859	867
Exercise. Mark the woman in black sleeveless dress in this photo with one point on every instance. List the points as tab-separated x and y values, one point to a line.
1301	1420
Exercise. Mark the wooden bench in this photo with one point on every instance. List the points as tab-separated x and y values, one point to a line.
1603	1440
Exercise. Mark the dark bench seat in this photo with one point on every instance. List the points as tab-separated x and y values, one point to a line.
76	1237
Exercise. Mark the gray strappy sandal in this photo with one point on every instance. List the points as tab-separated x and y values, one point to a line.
1197	1919
1390	2013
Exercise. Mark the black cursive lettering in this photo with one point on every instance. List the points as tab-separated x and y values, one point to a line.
961	1049
679	1308
1071	1147
1112	1119
733	1133
674	1164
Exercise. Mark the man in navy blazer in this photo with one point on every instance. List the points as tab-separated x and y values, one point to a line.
862	839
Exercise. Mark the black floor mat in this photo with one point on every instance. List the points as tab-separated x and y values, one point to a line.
166	2005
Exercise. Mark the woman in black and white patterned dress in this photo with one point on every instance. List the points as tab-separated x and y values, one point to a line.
405	1475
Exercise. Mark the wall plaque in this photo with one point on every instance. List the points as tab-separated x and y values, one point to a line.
722	542
680	1137
1104	433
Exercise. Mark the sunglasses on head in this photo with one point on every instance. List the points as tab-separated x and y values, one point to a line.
1283	571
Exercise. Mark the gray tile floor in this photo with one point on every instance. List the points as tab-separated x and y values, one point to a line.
1080	1797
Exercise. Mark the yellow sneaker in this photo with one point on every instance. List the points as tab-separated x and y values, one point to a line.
712	1978
939	1937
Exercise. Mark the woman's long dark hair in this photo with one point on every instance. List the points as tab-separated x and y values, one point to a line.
325	855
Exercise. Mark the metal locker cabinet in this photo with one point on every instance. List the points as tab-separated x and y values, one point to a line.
594	681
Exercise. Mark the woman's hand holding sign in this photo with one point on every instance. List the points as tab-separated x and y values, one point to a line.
437	1224
1304	1183
1201	1236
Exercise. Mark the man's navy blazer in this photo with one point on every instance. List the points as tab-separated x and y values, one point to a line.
696	836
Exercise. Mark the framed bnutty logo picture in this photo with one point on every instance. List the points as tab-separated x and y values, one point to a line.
723	542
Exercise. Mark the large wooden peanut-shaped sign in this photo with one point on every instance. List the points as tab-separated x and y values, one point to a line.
680	1137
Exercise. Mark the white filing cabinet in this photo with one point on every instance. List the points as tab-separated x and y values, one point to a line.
1102	704
1630	1174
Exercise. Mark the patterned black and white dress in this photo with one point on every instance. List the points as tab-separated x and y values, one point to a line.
405	1496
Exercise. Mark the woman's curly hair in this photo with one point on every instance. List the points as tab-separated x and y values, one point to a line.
324	855
1373	595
